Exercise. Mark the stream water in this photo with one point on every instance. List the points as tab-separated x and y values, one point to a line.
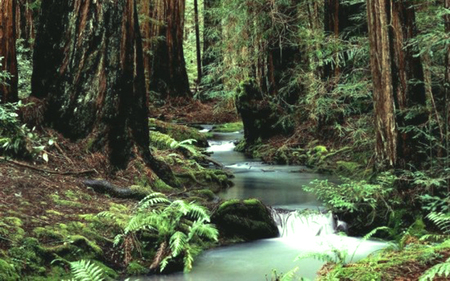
279	187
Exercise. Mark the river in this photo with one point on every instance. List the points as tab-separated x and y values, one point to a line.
280	187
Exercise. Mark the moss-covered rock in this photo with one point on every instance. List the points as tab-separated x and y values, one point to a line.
178	132
228	127
245	219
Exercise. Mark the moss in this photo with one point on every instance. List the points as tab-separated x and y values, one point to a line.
53	212
11	229
178	132
161	186
8	271
63	202
229	127
135	268
227	203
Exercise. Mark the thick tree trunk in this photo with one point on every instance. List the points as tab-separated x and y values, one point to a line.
212	34
408	81
168	76
383	93
391	25
25	22
88	67
8	59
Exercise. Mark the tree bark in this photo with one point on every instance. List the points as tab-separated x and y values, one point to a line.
408	81
168	76
8	59
447	85
25	22
88	67
197	44
383	93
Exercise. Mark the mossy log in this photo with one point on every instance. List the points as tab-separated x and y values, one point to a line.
106	187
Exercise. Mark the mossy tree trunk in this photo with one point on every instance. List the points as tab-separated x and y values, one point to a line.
391	24
8	59
168	75
88	67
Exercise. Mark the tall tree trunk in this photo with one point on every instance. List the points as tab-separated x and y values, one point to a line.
383	93
197	44
391	25
88	67
169	77
447	85
25	22
8	59
408	81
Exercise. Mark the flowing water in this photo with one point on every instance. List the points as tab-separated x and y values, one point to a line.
301	232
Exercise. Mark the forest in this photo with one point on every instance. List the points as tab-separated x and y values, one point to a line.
224	140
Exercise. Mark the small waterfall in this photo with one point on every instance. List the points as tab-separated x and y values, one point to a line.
305	223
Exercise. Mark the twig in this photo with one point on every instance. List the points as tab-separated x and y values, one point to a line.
47	171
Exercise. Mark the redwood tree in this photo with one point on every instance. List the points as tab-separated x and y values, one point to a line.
88	68
391	24
25	21
8	59
168	75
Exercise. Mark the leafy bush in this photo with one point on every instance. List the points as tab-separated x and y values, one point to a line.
368	200
16	139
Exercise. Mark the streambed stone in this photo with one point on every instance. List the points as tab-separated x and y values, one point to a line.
245	219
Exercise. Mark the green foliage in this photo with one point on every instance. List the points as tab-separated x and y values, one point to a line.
85	270
17	139
163	141
442	220
371	200
180	225
4	75
438	270
24	68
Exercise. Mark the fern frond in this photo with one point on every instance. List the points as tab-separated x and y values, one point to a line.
433	237
152	200
140	221
181	207
178	243
289	276
325	257
374	231
203	230
198	212
439	270
84	270
441	220
188	260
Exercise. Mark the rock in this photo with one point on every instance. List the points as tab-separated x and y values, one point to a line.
244	219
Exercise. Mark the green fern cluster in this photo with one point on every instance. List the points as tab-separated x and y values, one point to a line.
180	227
163	142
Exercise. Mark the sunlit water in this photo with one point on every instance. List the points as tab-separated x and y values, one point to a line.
280	187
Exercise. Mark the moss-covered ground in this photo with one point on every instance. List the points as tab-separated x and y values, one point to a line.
49	218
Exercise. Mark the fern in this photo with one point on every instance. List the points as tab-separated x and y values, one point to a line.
439	270
178	243
441	220
153	199
84	270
